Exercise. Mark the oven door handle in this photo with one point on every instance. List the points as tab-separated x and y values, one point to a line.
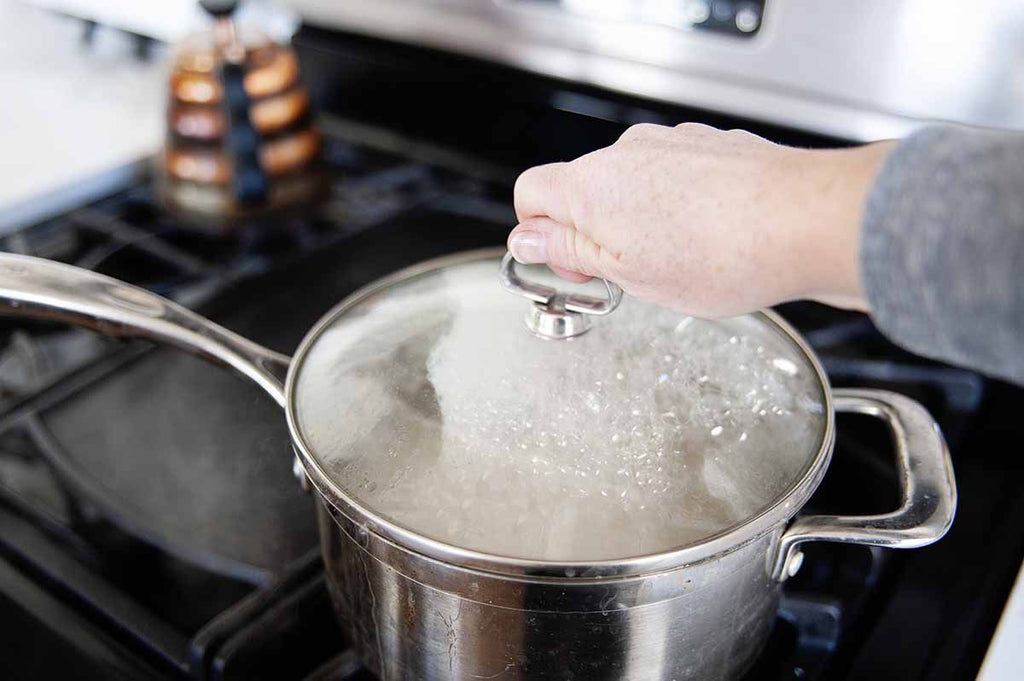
926	481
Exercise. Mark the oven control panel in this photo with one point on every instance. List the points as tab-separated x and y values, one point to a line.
859	70
740	18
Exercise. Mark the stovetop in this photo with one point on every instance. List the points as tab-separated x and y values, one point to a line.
150	526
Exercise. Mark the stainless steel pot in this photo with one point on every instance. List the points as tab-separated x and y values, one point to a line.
417	608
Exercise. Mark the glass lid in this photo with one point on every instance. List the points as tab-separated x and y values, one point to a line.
430	402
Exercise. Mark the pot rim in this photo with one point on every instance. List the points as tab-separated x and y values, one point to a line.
773	515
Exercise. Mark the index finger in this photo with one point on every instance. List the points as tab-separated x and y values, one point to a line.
542	191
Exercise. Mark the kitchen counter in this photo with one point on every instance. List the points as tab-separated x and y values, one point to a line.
1004	661
79	118
76	118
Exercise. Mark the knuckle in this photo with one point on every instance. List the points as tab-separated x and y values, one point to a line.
584	209
587	252
574	250
692	128
739	133
582	177
640	131
583	171
520	188
525	181
570	250
536	182
577	170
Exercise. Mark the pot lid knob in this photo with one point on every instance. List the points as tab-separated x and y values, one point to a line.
556	315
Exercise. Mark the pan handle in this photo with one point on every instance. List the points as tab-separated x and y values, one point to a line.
43	289
926	480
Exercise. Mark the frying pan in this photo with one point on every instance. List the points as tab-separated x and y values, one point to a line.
221	496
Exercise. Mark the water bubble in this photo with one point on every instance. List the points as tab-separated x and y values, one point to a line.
613	445
784	365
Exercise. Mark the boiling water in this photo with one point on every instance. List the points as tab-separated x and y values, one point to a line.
439	410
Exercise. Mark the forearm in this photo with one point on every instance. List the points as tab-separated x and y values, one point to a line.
828	210
926	233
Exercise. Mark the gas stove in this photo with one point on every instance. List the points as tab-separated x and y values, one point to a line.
150	526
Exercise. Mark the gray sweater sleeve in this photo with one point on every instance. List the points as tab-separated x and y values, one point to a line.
942	248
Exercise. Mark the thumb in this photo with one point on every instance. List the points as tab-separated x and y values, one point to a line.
567	251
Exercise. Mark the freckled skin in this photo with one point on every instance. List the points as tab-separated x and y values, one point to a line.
708	222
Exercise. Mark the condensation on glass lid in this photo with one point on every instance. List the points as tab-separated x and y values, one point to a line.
431	404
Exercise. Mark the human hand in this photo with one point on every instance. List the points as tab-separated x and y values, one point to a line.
707	222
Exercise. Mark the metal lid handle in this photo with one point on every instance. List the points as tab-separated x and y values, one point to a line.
554	314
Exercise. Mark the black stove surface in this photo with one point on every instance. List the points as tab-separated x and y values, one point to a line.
150	526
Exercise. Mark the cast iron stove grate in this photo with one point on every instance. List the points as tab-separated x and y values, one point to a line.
86	586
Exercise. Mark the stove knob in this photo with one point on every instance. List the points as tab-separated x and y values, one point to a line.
722	11
748	18
219	8
697	11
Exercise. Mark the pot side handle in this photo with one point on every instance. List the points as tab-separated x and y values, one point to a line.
44	289
926	481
